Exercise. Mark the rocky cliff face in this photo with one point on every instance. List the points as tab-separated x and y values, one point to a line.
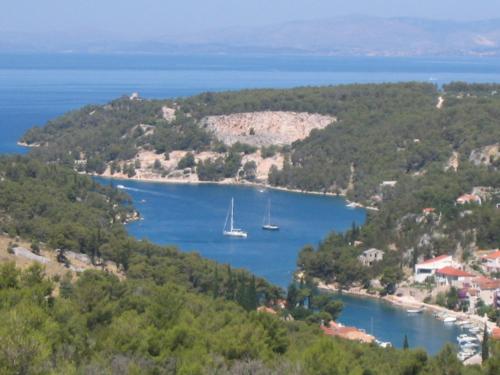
265	128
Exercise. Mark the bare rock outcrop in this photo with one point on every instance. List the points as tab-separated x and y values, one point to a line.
168	113
265	128
486	155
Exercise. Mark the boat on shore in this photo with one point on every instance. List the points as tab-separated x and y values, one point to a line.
231	231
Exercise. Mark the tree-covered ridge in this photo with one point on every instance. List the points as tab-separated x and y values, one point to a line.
101	325
97	135
384	132
383	145
52	204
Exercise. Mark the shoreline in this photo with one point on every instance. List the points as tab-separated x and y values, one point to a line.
405	303
226	182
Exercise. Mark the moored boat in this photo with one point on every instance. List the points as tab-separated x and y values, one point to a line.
267	225
415	311
450	319
231	231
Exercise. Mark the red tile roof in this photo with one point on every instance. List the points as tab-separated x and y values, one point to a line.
492	255
495	334
467	198
265	309
450	271
349	333
486	283
436	259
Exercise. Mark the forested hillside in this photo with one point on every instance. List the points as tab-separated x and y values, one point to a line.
173	313
399	148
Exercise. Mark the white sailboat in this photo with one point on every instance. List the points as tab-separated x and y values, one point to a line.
232	231
267	219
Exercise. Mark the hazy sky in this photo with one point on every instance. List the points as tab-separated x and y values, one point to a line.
147	18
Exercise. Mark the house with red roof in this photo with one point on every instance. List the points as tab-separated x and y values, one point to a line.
267	310
491	261
495	333
430	266
487	289
469	198
452	276
349	333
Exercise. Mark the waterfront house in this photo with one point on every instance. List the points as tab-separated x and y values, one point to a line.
486	288
349	333
430	266
469	198
452	276
371	256
491	261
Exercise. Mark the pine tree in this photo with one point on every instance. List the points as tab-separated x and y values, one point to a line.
230	288
215	284
485	353
252	295
405	343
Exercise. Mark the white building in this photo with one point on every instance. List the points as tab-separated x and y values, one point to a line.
371	256
430	266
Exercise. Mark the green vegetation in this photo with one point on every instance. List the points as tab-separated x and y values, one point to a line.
390	132
175	313
142	325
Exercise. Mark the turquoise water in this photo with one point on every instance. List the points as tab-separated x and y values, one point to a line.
34	89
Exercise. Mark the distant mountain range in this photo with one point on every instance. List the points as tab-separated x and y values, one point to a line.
346	36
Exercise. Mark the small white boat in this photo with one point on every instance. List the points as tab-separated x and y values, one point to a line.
461	322
470	345
232	231
267	225
450	319
464	355
415	311
120	186
475	330
463	339
351	205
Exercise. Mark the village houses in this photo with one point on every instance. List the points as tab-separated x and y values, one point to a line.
430	266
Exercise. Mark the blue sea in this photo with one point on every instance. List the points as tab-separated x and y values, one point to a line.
36	88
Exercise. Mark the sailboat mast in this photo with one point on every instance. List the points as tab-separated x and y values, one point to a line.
232	213
269	211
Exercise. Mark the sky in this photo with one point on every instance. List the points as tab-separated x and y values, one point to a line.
153	18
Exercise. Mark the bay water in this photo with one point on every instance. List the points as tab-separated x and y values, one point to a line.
36	88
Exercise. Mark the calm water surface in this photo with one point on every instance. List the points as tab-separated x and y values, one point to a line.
34	89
